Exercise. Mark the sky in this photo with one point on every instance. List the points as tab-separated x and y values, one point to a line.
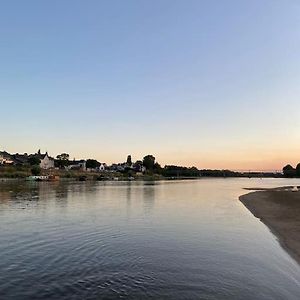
211	84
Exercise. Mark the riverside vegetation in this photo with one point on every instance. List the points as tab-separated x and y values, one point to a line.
146	169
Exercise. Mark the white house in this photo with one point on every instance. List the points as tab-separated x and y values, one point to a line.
47	162
102	167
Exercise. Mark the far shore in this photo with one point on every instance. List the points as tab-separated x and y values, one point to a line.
279	209
101	177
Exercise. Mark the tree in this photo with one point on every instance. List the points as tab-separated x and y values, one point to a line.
63	156
92	163
62	160
179	171
148	162
33	160
157	168
289	171
129	161
298	170
36	170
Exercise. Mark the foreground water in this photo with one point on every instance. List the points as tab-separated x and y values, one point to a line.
139	240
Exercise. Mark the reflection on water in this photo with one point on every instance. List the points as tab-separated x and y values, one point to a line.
139	240
148	197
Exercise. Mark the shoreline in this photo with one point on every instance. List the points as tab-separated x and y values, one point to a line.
279	210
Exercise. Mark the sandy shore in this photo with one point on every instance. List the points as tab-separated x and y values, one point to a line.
279	209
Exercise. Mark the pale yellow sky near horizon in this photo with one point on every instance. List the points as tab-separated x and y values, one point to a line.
243	158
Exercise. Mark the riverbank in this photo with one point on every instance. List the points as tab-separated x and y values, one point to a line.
279	209
21	173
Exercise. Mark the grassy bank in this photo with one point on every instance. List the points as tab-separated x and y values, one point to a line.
25	171
14	172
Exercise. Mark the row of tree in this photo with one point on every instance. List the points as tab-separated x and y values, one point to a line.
153	167
290	171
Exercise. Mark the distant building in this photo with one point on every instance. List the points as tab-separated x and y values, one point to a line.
102	167
47	162
6	158
20	159
77	165
139	168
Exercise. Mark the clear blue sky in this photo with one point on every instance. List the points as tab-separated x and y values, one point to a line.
205	83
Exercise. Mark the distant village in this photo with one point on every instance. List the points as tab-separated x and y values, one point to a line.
23	165
62	161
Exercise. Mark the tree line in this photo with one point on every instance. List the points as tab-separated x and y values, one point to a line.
152	167
290	172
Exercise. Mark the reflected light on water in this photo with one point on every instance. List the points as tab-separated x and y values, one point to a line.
139	240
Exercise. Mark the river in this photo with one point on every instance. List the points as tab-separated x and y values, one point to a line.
139	240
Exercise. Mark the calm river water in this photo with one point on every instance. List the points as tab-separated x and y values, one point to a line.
139	240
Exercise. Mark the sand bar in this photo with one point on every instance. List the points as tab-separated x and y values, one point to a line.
279	209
